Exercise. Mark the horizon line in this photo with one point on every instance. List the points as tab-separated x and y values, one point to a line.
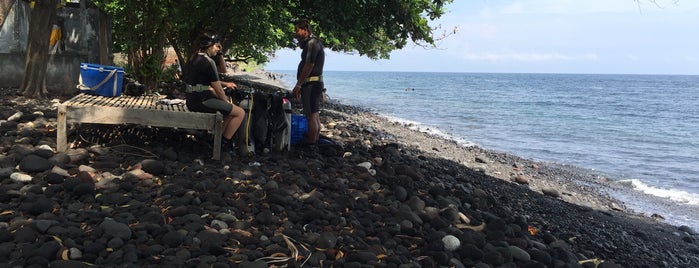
466	72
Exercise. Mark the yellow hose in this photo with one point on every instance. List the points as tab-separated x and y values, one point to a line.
247	124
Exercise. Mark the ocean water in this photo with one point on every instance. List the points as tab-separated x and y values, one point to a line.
642	131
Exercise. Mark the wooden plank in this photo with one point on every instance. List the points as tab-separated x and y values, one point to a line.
114	115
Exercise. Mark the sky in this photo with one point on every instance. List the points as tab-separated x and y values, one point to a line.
544	36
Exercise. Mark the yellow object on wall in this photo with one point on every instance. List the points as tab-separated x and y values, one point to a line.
55	34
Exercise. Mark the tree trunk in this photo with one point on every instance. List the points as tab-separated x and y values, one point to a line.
5	6
36	62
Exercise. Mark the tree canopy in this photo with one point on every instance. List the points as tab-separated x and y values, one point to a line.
255	29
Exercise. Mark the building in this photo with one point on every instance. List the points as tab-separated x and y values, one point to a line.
86	37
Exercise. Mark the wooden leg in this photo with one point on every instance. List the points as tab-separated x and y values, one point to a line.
61	133
218	133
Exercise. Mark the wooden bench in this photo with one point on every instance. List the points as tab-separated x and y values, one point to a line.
143	110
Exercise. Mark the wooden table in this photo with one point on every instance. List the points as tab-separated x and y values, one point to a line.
143	110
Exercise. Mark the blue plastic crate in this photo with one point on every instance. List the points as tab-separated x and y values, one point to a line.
101	80
299	128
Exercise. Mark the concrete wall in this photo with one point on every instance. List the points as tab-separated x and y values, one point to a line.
61	75
80	36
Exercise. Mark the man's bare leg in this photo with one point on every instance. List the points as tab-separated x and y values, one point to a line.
313	127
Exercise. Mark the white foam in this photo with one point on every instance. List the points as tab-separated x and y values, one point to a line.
414	125
672	194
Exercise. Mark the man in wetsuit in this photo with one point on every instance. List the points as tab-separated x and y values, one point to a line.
309	75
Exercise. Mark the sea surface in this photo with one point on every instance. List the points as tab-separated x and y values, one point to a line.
640	131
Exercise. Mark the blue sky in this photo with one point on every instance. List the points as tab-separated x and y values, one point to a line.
545	36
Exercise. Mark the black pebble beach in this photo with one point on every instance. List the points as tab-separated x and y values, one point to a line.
391	196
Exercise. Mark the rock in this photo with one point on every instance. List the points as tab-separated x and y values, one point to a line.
493	257
218	224
169	154
5	236
431	212
519	254
540	256
34	163
255	264
172	239
85	176
551	192
78	155
49	249
40	205
115	229
7	161
364	257
687	230
60	159
43	225
26	234
210	240
68	264
177	212
139	174
266	217
88	169
326	240
154	167
521	179
15	117
44	151
54	178
366	165
84	188
416	204
408	171
75	253
400	193
106	181
21	177
98	150
451	243
6	172
609	264
115	243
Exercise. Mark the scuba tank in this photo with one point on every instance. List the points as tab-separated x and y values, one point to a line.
246	142
282	141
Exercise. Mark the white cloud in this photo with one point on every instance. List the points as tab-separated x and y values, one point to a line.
594	6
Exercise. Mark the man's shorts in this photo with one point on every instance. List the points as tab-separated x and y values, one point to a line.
311	94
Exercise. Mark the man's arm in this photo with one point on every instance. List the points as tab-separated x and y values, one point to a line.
220	64
218	90
305	72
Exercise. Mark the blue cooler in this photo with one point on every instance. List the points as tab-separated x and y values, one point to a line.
299	128
101	80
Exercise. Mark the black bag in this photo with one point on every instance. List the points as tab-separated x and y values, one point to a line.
265	124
